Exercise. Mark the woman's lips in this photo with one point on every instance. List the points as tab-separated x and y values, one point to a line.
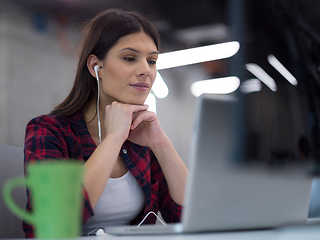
140	86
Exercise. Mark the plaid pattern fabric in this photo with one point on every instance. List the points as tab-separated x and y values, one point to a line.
49	138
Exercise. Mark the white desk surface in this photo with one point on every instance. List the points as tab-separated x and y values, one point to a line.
289	233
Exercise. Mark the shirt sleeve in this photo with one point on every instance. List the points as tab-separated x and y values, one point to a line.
44	141
170	210
47	140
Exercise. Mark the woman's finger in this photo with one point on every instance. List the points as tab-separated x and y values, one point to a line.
146	116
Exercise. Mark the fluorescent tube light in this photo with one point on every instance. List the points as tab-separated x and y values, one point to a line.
250	85
197	55
282	70
256	70
159	87
215	86
151	101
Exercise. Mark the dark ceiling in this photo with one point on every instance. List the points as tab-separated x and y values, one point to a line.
178	14
170	16
167	15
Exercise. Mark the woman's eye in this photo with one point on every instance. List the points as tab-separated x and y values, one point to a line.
130	59
152	62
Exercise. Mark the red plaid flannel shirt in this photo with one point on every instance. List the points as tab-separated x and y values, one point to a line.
50	137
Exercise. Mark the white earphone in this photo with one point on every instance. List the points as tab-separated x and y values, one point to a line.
96	69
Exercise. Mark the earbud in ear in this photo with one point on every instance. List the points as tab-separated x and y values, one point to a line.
96	69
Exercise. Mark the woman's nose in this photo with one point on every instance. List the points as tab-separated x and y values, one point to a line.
143	69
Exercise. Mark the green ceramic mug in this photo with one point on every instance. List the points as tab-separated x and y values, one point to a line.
56	193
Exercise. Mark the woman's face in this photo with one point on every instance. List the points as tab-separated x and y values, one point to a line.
129	69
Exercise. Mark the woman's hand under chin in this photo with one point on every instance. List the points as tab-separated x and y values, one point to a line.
146	130
119	117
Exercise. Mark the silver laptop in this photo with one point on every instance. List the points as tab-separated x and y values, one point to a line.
234	182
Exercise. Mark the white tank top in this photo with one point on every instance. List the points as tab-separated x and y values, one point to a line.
121	201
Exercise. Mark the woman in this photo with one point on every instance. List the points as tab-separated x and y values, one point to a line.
131	167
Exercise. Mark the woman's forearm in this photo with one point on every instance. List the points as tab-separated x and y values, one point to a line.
99	167
174	170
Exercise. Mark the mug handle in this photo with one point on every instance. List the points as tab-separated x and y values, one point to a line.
13	206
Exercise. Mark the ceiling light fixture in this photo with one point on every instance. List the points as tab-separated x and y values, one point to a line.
151	102
197	55
256	70
159	87
215	86
282	70
250	85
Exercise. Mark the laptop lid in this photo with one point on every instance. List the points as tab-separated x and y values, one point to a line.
227	191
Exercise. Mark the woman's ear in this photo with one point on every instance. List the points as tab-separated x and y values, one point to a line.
93	61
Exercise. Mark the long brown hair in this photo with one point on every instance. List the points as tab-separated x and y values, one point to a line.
100	35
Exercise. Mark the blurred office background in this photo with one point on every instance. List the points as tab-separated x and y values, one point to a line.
38	52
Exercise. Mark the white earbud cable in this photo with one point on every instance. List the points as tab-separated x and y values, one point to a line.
148	215
99	127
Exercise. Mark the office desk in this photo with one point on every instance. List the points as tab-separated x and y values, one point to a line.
289	233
